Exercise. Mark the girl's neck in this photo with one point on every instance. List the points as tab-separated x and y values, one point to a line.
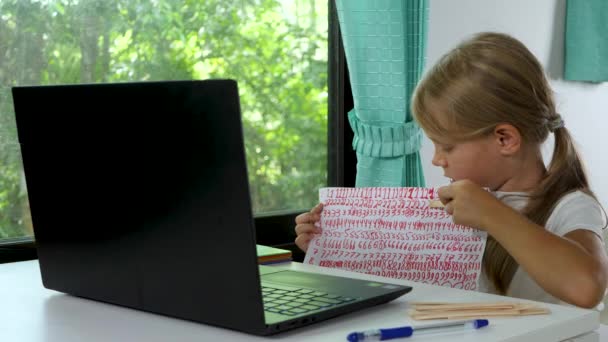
526	173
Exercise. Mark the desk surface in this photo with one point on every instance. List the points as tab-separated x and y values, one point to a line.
32	313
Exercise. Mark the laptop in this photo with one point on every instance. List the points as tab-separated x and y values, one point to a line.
139	197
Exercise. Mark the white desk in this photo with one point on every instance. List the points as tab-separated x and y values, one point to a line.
28	312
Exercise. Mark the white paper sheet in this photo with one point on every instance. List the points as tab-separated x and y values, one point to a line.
393	232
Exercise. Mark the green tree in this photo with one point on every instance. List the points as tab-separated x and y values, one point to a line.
276	50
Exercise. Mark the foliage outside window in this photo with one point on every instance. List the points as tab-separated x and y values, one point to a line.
276	50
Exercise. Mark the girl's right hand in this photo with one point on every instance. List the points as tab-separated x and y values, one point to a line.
306	228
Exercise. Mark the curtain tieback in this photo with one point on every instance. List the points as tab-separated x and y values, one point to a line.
385	141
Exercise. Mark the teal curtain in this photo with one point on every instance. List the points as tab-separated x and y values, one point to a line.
384	42
586	41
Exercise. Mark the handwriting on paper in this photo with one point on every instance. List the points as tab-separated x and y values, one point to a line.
394	232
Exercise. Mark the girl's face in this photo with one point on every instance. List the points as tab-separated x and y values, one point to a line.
477	160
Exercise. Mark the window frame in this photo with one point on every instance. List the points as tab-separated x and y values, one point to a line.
17	249
277	228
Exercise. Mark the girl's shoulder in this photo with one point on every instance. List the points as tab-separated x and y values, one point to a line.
575	201
577	210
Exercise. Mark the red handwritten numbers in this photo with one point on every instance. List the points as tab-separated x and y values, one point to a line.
393	232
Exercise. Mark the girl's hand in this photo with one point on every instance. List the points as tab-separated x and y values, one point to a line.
305	226
469	204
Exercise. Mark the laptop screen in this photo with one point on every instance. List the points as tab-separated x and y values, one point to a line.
139	190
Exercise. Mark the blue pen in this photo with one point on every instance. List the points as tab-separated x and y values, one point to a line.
407	331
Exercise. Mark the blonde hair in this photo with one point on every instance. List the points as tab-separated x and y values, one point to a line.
487	80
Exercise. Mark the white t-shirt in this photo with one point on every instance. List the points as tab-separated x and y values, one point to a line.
576	210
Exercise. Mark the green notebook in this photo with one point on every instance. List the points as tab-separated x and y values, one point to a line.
271	255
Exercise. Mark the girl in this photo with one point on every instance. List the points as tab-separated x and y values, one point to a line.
487	107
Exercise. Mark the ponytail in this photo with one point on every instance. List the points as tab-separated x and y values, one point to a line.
565	174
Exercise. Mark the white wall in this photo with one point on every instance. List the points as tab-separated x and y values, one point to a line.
539	24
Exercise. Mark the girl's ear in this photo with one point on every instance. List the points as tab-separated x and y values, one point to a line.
507	138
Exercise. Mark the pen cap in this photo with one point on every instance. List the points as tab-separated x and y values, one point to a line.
355	337
396	333
480	323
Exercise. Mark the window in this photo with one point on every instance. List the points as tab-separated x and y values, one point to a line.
276	49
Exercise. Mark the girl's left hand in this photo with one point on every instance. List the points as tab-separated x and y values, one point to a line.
469	204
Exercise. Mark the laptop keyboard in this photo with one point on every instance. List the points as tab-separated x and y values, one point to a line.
298	301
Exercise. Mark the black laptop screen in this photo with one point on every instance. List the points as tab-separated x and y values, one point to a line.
138	190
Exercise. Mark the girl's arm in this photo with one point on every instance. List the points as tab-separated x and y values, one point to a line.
573	268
